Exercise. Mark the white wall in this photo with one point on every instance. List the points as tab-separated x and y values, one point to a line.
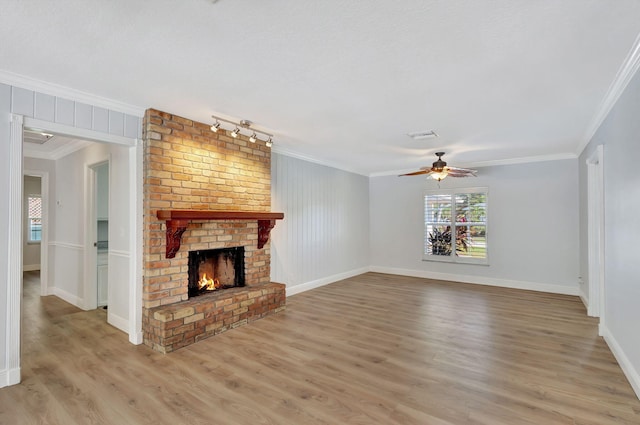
120	255
532	234
30	251
619	134
68	231
324	236
67	236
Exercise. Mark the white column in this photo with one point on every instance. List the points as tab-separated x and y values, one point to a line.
14	278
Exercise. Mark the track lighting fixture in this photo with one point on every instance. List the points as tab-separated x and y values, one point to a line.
239	127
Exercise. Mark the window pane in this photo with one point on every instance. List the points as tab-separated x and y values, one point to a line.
471	241
438	240
35	218
437	209
471	208
35	230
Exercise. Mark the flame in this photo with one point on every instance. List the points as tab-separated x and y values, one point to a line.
208	284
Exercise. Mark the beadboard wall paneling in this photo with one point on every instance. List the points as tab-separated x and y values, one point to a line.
58	110
325	232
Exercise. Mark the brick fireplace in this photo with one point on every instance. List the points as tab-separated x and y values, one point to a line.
226	183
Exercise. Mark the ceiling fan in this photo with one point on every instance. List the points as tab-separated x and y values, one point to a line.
439	170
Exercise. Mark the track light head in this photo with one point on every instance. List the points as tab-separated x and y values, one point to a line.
253	137
235	132
269	142
215	127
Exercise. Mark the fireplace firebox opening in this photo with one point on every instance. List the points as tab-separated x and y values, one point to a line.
215	269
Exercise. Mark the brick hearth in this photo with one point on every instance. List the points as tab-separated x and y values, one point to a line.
180	324
189	167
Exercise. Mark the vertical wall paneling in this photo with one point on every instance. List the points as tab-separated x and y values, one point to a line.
132	127
324	236
100	120
22	101
64	111
116	123
83	115
45	106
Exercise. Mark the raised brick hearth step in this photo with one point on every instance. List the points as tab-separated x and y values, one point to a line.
180	324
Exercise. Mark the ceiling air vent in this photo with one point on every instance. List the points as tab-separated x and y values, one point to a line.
37	137
419	135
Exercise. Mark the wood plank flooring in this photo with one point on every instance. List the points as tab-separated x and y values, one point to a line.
373	349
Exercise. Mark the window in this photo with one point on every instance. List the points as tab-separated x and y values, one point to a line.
34	229
459	212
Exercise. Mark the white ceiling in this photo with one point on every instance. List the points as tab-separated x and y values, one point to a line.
343	82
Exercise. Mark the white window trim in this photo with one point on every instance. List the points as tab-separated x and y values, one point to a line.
453	258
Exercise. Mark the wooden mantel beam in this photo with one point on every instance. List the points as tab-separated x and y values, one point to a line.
177	221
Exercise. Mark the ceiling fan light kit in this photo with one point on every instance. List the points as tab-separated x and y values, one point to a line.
439	170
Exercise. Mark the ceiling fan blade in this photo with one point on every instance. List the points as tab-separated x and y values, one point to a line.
417	173
464	170
462	174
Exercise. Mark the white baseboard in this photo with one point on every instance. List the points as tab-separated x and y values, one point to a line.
30	267
627	367
136	338
118	322
583	298
490	281
9	377
68	297
13	376
324	281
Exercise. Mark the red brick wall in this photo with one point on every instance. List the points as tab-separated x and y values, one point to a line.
187	166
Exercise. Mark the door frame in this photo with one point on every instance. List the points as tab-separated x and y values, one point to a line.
595	233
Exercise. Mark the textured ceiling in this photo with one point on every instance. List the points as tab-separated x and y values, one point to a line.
343	82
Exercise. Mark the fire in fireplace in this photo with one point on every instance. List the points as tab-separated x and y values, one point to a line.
215	269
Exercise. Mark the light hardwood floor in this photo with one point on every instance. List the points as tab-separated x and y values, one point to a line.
373	349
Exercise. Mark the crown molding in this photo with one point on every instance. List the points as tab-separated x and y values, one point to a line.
40	86
618	85
522	160
293	154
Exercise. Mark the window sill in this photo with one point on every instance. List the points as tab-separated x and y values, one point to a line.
456	260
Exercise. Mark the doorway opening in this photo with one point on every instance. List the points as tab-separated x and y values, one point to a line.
100	224
67	281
